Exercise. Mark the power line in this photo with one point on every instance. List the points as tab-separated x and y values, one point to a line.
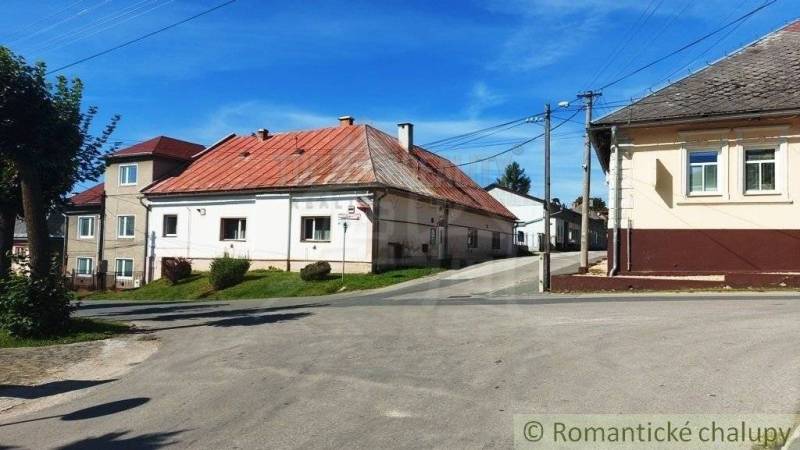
472	133
689	45
621	46
101	24
510	149
143	37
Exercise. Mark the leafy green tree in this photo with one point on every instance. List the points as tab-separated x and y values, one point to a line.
45	149
514	178
596	204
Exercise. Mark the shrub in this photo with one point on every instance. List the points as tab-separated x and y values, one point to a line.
35	306
228	271
315	271
176	269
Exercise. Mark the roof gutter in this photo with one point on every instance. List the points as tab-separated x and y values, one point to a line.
698	119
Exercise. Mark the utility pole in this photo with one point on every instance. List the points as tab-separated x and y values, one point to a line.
588	100
545	281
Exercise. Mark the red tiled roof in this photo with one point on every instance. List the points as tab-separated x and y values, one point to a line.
161	146
89	197
340	156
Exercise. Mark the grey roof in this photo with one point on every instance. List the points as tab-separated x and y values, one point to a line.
761	77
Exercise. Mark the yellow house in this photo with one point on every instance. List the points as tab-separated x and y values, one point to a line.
704	174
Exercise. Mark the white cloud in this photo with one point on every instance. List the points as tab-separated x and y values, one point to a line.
481	97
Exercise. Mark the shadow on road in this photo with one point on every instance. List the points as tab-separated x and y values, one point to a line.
239	320
47	389
103	409
157	309
118	440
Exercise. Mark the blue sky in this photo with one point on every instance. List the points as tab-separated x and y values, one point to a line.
450	67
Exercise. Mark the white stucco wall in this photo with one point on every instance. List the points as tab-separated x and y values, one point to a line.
269	230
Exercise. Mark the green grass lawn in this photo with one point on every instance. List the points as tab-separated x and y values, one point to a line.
261	284
80	330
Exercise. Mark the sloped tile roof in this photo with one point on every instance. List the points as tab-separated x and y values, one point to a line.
357	155
89	197
762	77
161	146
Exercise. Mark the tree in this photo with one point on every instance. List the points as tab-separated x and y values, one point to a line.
45	148
596	204
514	178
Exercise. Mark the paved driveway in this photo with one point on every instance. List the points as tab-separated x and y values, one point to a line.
417	371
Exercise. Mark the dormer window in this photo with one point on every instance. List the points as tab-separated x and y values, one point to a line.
128	174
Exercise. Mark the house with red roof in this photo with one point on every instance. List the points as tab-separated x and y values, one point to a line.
106	226
350	194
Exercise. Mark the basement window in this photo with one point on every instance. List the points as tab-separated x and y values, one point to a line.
234	229
85	267
316	229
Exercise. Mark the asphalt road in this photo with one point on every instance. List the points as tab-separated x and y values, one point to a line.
414	368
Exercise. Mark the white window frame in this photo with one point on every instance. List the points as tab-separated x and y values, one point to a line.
119	228
314	230
780	167
80	236
238	229
116	265
78	265
164	227
688	170
125	166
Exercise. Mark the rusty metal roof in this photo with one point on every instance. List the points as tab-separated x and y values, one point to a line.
161	146
344	156
89	197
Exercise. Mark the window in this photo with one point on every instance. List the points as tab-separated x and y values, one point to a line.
703	169
233	229
316	229
521	237
495	240
124	268
170	225
433	236
128	174
125	226
759	169
85	267
85	227
472	238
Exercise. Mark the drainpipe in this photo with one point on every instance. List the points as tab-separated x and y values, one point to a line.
617	198
64	259
376	229
289	237
147	266
100	240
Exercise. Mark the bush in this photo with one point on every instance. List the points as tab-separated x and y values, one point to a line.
176	269
35	307
228	271
315	271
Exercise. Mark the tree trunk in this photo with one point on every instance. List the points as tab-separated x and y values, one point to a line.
35	218
7	218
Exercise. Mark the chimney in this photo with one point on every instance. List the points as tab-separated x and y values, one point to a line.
262	134
346	121
405	135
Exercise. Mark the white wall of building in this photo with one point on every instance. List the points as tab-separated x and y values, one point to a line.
270	232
